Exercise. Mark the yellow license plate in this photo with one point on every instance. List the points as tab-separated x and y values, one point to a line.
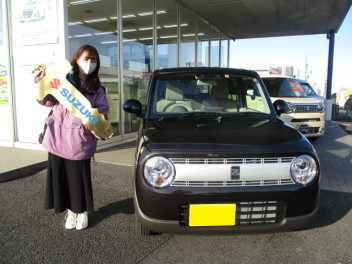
212	214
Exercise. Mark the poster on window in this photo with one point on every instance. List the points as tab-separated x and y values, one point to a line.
35	21
4	92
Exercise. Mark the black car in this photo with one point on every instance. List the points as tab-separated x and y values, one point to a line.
213	157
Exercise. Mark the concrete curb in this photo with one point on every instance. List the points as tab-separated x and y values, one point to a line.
22	172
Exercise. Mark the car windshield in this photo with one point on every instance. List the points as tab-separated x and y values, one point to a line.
308	89
207	94
284	87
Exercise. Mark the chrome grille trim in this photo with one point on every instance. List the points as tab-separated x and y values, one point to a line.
306	108
232	183
231	160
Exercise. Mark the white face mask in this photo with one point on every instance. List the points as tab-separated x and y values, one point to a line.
86	67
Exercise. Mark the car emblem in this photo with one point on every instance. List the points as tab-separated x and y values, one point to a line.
235	172
307	108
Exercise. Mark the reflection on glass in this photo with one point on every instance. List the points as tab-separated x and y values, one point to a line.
167	35
137	53
203	43
99	32
224	51
187	49
214	47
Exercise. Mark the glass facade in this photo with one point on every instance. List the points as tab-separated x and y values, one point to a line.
133	39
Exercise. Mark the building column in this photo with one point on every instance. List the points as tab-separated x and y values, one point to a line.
328	103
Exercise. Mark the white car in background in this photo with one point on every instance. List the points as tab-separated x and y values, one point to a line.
308	112
309	90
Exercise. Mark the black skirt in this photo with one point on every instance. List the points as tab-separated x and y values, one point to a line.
69	185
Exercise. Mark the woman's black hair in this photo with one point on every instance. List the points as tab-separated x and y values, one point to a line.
92	83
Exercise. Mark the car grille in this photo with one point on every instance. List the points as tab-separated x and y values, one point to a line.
249	213
231	160
310	130
232	183
300	108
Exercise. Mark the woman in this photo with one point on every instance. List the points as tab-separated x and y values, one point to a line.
71	145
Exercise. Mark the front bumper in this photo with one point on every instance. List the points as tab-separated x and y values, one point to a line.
166	213
309	124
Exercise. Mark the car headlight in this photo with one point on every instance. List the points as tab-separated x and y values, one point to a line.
321	107
291	108
304	169
159	172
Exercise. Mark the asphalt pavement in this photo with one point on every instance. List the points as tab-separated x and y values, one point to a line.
30	234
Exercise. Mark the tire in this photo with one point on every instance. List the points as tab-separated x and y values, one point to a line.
140	229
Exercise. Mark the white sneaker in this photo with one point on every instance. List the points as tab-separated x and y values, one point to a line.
82	221
71	219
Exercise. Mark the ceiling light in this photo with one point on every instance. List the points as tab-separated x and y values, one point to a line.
145	14
128	16
74	23
96	20
145	38
128	40
192	35
81	2
82	35
159	12
173	26
129	30
146	28
109	42
171	36
103	33
170	26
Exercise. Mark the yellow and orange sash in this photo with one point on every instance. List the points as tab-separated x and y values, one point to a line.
56	84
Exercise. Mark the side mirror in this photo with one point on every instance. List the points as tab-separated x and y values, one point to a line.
282	106
133	106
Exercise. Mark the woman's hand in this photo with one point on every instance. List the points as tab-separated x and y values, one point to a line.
41	73
103	139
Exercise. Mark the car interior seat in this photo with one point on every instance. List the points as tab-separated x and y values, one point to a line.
221	94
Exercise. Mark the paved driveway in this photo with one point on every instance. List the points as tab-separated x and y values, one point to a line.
29	234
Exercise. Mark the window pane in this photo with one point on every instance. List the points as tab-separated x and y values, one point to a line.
214	50
85	26
137	52
187	51
203	43
167	34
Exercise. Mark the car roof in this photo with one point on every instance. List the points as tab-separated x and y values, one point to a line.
277	76
207	69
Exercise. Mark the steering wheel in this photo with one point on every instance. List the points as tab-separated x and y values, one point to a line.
178	107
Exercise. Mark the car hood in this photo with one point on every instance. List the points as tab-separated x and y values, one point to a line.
228	135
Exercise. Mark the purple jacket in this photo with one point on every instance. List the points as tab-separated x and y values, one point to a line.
65	135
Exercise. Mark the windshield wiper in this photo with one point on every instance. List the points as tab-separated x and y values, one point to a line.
244	114
188	115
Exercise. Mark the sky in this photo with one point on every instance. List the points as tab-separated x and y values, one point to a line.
297	51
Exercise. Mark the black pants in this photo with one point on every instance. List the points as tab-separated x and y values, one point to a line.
69	185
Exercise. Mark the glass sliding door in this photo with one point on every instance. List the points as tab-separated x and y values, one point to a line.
96	24
188	35
167	51
224	51
137	53
214	47
203	43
